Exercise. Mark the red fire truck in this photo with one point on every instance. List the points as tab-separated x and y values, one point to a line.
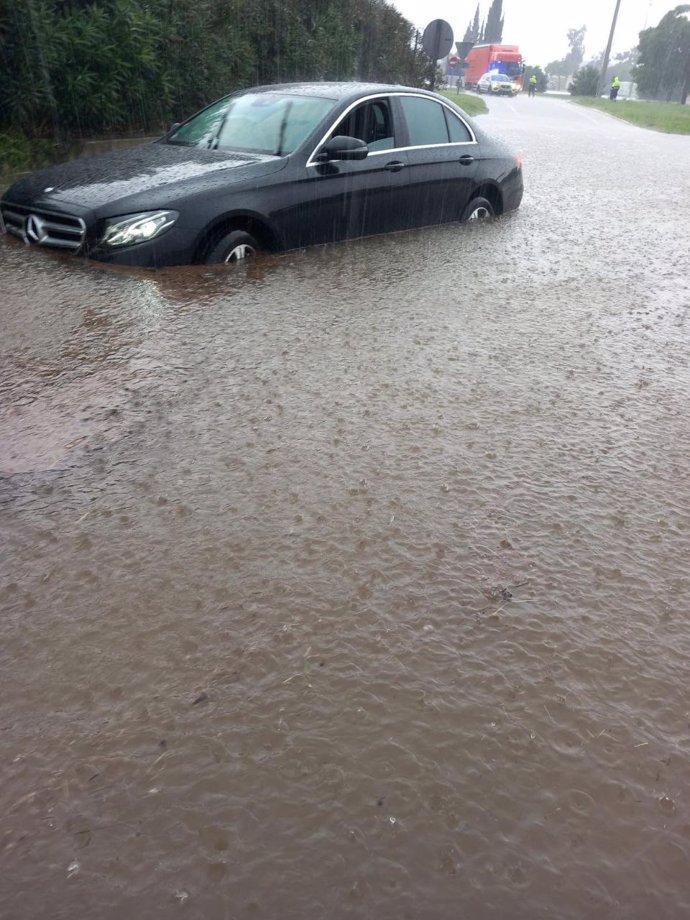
498	58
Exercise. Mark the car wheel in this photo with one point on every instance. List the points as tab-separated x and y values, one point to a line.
235	246
478	209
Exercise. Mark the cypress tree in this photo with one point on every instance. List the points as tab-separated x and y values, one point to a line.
494	22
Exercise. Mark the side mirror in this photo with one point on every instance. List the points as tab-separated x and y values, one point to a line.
342	148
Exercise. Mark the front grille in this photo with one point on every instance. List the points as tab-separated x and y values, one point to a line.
44	228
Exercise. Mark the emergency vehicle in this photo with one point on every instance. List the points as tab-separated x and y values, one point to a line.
503	59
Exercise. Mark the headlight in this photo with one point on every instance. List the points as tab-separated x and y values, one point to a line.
137	228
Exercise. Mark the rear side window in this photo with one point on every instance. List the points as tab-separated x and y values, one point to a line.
457	129
426	123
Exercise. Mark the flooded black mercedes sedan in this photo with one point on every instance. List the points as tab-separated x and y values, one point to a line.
273	167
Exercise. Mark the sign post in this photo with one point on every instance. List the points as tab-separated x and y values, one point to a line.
437	42
462	49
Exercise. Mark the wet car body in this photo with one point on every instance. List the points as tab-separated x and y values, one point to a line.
404	173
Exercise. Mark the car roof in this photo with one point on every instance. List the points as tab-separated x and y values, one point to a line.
336	90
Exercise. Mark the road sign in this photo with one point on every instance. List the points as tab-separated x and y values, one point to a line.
437	39
462	49
453	60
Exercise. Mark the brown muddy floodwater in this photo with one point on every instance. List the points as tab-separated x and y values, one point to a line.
354	584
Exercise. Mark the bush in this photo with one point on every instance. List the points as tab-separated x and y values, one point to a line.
585	82
15	153
19	153
83	67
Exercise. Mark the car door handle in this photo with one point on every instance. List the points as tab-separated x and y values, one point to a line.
466	159
394	166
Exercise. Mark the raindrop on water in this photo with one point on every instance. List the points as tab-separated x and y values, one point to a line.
666	804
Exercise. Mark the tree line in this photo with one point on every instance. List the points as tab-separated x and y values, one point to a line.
89	66
659	65
663	65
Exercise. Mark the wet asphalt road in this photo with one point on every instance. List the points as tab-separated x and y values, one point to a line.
354	584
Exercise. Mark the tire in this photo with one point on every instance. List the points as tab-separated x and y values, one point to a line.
235	246
478	209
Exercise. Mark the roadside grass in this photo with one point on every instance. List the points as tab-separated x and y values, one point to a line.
668	117
473	105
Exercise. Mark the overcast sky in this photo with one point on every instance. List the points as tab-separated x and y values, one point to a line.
539	27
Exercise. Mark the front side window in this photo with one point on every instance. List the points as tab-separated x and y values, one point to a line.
426	123
370	122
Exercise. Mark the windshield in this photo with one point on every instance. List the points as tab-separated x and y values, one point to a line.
511	69
269	123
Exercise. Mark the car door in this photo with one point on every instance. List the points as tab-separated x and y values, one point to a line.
346	199
442	160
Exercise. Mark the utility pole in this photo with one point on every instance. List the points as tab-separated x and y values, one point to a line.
607	53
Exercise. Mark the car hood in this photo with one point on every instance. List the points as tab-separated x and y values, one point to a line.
92	182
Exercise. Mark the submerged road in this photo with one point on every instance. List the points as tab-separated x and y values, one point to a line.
354	584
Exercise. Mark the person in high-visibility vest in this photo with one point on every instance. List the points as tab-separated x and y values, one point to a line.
532	85
615	86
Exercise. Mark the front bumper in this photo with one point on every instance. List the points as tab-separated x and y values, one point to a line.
40	226
171	248
78	234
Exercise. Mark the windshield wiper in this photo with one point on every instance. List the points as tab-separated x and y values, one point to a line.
283	126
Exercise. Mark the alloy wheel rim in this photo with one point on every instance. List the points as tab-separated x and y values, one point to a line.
240	252
480	213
